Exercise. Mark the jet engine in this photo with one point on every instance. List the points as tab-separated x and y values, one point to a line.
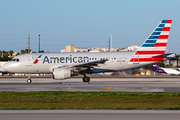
61	73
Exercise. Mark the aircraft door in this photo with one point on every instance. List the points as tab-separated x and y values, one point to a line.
29	60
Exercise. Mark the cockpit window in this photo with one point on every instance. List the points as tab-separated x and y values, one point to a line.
15	59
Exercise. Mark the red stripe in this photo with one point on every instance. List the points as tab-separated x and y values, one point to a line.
149	52
169	21
36	61
160	45
166	29
145	59
163	37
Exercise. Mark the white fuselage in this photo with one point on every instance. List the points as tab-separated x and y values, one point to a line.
117	61
171	71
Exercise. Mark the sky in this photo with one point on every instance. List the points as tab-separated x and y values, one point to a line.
84	23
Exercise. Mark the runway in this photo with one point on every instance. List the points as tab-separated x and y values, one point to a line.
89	115
96	84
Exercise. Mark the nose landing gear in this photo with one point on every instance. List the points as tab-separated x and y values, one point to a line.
29	79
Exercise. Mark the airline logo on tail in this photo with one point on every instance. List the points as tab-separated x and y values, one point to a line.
157	68
37	59
154	45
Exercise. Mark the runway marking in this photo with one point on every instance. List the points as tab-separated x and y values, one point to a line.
107	88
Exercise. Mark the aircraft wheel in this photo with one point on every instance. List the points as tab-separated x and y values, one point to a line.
29	81
86	79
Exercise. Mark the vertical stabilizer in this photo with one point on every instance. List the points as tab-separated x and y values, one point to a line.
157	68
154	45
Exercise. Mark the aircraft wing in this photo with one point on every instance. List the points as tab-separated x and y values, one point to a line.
86	66
91	64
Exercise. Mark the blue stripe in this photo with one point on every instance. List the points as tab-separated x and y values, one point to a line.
153	37
164	21
161	25
159	29
39	56
156	33
148	45
150	41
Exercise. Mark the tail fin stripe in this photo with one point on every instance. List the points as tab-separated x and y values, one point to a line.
151	41
161	25
161	41
159	37
167	25
155	45
163	29
156	33
164	21
146	59
163	36
165	33
153	37
149	52
148	45
169	21
160	44
151	48
166	29
158	29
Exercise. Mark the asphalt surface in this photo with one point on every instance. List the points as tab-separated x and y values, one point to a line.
89	115
96	84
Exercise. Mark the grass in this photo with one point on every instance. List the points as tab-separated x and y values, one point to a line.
90	100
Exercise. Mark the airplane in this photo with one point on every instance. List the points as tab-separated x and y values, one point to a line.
169	71
66	65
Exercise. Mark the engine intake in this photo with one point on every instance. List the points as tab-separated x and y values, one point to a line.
61	73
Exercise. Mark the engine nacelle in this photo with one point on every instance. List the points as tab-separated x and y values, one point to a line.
61	73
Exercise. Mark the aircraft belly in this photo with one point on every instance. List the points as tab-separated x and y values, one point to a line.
132	65
114	65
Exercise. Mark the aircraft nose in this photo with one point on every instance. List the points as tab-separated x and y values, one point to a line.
6	67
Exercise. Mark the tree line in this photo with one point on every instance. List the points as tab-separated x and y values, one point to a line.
8	55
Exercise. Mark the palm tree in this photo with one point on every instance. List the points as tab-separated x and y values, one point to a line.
23	52
11	53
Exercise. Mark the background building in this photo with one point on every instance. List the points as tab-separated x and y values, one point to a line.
71	48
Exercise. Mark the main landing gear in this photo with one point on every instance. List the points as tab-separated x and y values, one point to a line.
85	78
29	79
